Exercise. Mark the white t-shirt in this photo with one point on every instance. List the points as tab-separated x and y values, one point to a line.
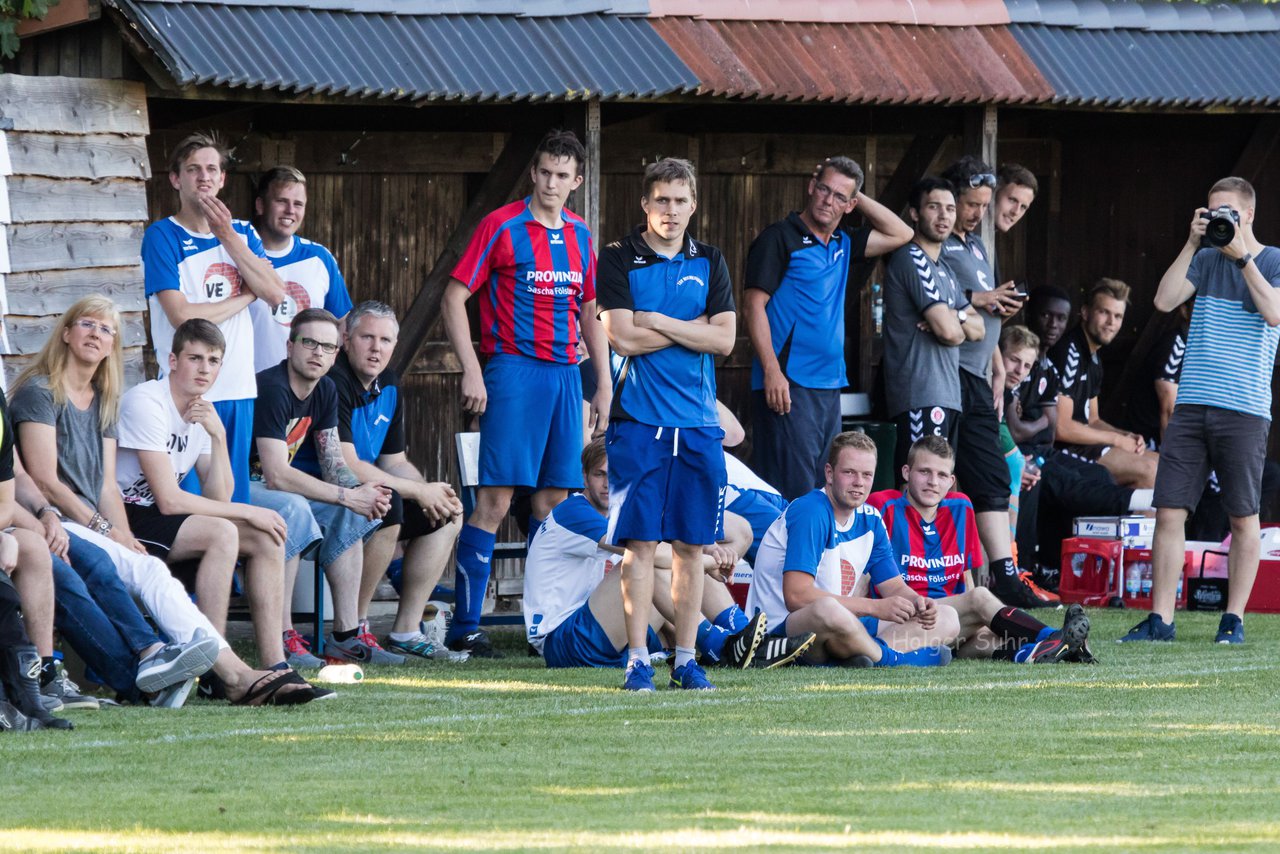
564	567
199	267
149	421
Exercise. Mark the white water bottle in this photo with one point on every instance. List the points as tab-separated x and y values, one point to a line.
1132	580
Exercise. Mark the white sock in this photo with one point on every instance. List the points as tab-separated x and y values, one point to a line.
403	636
637	654
1141	499
684	655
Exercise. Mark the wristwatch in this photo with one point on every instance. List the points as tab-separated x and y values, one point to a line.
48	508
1243	260
962	315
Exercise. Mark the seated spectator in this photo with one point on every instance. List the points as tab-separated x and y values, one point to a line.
573	590
426	514
936	542
1047	314
301	474
1081	431
167	429
94	612
65	407
20	704
809	568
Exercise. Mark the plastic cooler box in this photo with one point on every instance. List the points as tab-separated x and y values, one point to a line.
1093	573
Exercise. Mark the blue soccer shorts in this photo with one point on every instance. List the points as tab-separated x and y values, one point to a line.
665	483
531	429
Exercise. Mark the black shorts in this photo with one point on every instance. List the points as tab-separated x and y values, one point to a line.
914	424
410	517
981	469
1201	439
157	533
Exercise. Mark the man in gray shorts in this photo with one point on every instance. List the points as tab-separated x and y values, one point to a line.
1223	413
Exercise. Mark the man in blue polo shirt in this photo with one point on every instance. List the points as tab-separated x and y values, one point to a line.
428	515
667	306
797	271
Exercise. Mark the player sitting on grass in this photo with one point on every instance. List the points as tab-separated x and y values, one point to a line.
812	558
935	538
573	591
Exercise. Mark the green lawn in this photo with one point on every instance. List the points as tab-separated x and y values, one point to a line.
1170	747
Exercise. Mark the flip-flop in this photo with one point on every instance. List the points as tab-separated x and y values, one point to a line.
266	691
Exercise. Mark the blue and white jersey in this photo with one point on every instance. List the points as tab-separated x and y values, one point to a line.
806	538
674	386
806	280
749	496
311	280
564	566
201	269
1230	348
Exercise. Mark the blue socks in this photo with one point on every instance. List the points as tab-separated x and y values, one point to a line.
929	656
711	640
475	553
731	619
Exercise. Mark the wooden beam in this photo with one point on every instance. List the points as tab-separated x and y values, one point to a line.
88	156
72	105
38	199
54	291
507	172
28	334
592	201
67	245
1260	151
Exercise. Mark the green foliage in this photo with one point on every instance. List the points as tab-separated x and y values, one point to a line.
11	13
1159	747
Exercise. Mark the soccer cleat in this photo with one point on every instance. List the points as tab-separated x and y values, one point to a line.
1014	591
1051	599
1075	625
417	646
175	663
358	650
66	692
477	644
1230	630
690	677
1081	655
779	652
298	652
173	696
1151	629
740	648
1051	650
639	677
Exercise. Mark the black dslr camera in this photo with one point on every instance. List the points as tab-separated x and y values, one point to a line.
1221	229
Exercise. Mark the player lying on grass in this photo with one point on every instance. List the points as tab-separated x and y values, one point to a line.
573	590
812	558
935	539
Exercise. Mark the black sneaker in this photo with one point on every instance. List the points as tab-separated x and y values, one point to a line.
477	643
779	652
211	687
1016	592
740	648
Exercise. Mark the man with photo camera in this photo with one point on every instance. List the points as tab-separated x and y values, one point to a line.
1223	414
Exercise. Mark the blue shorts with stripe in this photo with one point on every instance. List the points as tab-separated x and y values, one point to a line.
665	483
871	624
531	429
580	641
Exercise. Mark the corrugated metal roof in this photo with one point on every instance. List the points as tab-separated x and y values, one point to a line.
528	8
1131	67
938	13
1177	16
855	63
416	57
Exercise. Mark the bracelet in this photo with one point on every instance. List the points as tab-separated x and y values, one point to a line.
48	508
99	525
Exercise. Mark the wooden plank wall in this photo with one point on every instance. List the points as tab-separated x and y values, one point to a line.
77	206
385	203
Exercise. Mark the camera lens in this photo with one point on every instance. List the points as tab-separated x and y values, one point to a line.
1220	231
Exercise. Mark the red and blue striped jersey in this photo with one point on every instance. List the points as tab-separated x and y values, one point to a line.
932	556
532	282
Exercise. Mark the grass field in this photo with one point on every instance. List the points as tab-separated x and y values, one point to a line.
1157	748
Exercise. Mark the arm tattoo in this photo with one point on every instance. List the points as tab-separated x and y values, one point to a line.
332	464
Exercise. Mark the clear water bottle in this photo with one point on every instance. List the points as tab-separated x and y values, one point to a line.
877	308
340	674
1077	564
1132	580
1145	578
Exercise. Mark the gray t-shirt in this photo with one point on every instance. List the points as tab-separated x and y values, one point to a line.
79	435
970	264
919	371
